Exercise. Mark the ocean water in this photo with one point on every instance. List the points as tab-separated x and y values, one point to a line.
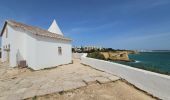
153	61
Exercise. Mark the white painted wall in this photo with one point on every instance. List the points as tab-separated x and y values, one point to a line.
47	52
13	40
153	83
4	42
31	50
17	43
39	52
22	47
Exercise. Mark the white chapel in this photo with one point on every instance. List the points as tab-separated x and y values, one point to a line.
37	47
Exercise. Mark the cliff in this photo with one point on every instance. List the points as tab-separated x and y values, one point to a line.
117	56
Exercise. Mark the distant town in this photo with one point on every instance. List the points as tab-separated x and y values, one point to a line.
90	49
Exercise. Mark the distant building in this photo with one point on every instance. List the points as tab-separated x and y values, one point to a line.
37	47
86	48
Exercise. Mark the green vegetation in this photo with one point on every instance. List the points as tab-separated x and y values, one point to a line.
83	50
34	98
96	55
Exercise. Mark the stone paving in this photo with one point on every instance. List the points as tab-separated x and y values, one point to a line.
16	84
118	90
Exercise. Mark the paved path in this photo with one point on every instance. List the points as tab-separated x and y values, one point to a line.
16	84
117	90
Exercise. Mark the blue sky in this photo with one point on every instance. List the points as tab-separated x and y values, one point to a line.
120	24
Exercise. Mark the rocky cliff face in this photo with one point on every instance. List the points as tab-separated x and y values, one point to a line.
116	56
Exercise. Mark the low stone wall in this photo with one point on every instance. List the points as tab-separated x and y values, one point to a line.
77	55
153	83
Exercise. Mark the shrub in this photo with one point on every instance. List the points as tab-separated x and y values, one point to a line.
96	55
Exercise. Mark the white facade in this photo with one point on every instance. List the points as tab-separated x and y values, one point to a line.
39	52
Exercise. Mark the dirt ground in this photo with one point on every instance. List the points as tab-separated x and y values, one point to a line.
67	82
118	90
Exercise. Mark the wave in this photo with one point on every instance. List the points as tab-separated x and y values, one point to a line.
136	61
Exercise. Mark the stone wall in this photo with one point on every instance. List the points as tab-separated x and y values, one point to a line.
153	83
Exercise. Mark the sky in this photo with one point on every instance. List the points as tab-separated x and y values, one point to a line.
118	24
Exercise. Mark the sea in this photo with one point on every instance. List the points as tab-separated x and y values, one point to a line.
153	61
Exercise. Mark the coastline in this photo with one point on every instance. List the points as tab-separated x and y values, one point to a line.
138	77
151	61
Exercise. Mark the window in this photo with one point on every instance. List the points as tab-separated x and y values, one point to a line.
59	51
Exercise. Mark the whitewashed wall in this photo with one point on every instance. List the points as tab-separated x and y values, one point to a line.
42	52
47	52
14	39
31	50
4	41
39	52
153	83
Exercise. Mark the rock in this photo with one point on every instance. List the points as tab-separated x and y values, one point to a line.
22	90
49	90
116	56
29	94
15	97
113	78
102	80
89	80
69	85
24	84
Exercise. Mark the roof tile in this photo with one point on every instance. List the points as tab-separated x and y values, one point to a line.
36	30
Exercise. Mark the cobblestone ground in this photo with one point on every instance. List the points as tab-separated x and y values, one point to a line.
16	84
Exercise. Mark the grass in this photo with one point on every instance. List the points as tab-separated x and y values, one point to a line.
96	55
